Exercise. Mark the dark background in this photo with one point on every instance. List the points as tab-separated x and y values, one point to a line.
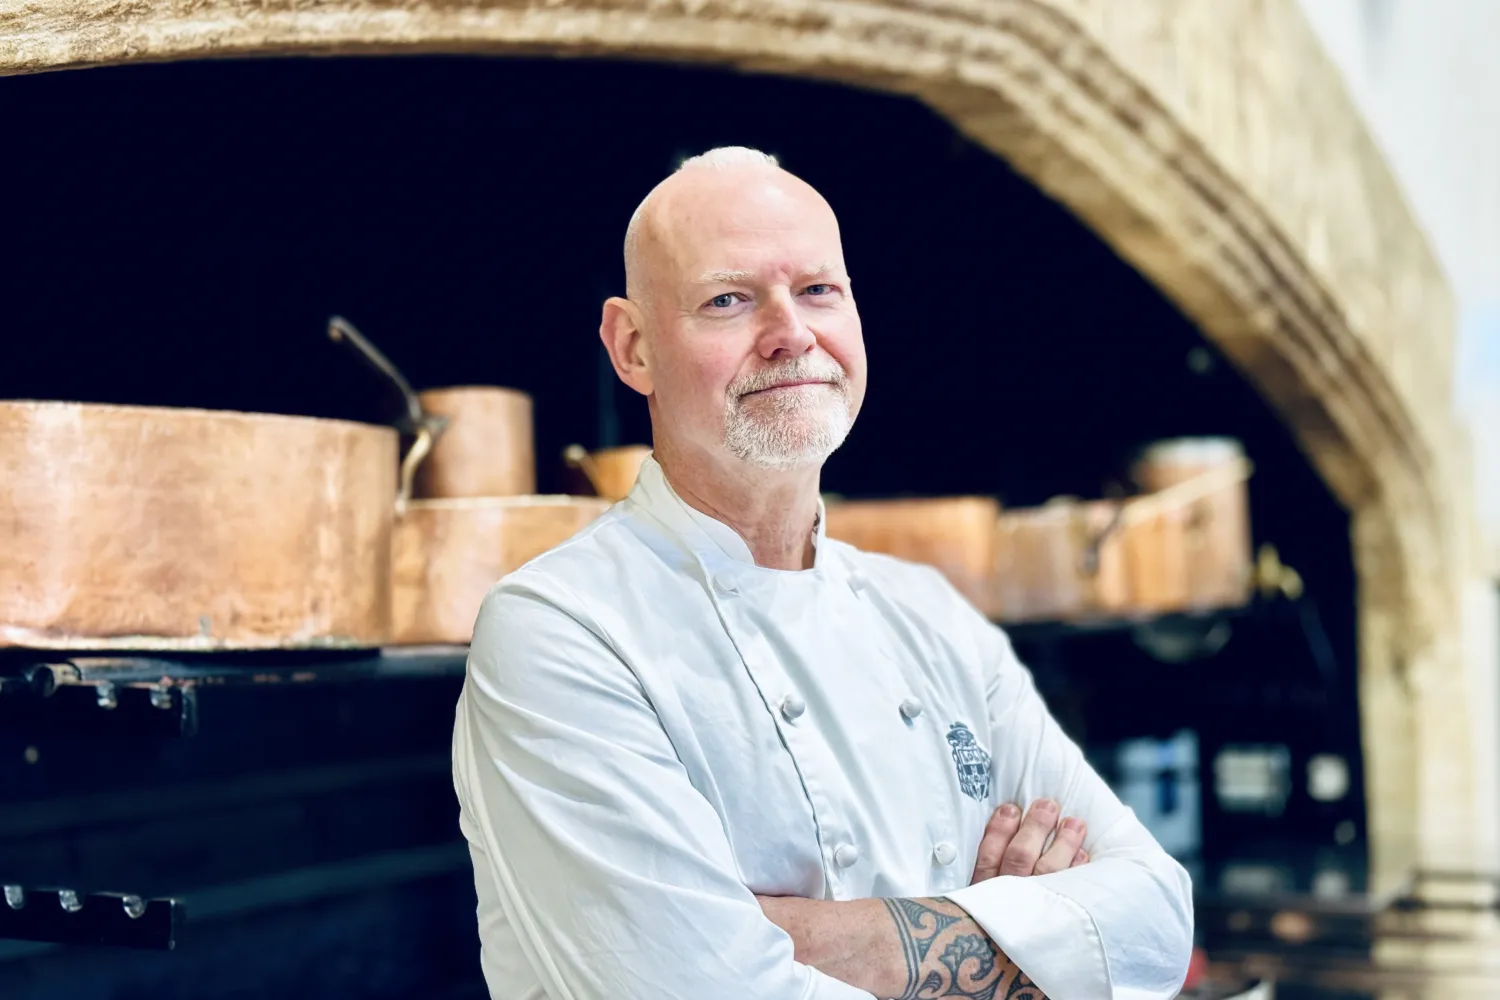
180	234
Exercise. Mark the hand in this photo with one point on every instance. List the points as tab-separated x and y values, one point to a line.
1013	845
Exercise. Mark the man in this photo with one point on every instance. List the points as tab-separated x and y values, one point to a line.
704	751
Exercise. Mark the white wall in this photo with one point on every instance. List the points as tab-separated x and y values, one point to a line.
1426	76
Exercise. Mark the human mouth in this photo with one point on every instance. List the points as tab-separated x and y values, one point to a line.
794	384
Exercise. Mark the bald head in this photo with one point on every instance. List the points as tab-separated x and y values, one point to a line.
723	181
642	219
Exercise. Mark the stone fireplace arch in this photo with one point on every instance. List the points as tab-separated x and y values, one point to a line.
1212	145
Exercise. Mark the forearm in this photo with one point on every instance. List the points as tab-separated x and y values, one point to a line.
901	948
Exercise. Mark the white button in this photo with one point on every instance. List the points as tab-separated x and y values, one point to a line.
846	856
792	708
911	708
856	582
725	582
944	853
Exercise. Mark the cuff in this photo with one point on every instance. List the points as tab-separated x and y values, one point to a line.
1049	936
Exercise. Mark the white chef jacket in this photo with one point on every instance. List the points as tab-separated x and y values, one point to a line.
652	729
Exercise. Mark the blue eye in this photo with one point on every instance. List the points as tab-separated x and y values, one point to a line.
819	289
722	301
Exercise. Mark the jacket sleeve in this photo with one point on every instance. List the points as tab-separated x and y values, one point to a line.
614	872
1117	928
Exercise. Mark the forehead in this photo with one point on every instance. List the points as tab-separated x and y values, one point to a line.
729	222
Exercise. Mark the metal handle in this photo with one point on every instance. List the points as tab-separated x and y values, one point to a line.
424	427
1188	491
1271	576
578	457
1089	560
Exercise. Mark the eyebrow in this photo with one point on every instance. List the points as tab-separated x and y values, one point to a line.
723	277
732	277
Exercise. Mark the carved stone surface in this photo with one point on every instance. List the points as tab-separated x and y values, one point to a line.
1212	144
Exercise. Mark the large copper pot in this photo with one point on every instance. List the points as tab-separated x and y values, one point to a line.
957	535
448	553
1184	544
1059	562
179	529
1188	537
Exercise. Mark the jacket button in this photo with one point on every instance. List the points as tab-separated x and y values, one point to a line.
911	708
846	856
792	708
944	853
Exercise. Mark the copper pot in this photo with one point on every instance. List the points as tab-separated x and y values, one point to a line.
611	471
485	449
156	528
1156	553
449	553
1189	536
1059	562
957	535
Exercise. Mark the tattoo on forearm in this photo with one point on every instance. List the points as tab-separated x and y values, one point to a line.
919	926
948	955
1022	988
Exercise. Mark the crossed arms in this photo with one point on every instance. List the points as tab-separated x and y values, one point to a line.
930	947
617	877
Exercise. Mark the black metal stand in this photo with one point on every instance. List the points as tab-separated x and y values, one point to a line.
117	696
123	705
63	916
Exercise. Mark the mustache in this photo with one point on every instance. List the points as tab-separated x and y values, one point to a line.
801	369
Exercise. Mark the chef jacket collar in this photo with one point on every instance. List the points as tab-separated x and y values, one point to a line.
711	540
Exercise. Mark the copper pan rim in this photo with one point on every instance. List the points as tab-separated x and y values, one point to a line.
23	638
234	416
505	390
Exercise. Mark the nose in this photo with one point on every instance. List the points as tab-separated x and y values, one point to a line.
782	328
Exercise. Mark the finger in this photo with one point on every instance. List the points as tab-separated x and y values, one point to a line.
1065	845
1026	846
1081	858
997	833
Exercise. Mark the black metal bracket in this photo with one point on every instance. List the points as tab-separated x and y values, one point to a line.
112	696
62	916
54	698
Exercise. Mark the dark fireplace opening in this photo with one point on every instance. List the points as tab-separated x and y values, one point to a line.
181	234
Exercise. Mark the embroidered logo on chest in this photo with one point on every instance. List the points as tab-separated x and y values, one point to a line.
971	762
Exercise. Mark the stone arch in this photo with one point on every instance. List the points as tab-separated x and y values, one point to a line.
1211	144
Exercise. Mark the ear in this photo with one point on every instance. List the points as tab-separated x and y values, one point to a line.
620	330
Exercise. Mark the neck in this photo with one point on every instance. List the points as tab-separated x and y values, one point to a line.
772	510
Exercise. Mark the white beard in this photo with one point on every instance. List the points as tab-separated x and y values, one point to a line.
788	428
